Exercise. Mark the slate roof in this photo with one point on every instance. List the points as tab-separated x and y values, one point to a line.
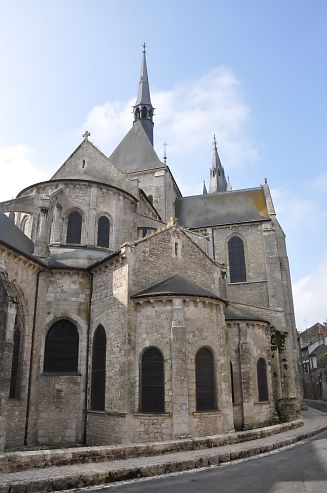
237	206
98	168
13	237
178	286
135	152
244	313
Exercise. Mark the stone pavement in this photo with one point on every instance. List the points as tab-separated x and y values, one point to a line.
79	475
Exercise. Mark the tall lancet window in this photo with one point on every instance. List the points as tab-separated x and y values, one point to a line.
98	377
13	391
237	270
152	381
74	228
262	380
103	232
205	380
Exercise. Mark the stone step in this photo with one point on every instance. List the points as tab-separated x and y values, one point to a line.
23	460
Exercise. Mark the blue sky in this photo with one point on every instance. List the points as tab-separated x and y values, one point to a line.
252	72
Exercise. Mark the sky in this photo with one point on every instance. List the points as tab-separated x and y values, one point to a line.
254	73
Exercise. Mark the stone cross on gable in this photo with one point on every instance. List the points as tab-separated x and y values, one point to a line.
86	134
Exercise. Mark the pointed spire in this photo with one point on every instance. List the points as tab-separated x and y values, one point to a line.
205	191
143	109
229	186
218	181
143	94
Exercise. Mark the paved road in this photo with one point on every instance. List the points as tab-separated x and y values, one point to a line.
320	405
301	469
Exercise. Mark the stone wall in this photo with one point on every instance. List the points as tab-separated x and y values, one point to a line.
22	274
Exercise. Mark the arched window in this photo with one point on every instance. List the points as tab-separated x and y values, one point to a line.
205	380
152	382
137	114
262	380
98	377
103	232
237	271
232	382
13	391
144	112
61	348
74	228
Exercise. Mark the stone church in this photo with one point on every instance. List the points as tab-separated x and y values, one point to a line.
129	313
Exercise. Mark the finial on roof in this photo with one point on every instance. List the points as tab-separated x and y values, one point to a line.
86	135
214	142
144	46
266	181
229	186
165	152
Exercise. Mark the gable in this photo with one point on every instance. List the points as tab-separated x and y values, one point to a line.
88	163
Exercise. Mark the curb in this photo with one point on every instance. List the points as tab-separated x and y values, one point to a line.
166	465
20	461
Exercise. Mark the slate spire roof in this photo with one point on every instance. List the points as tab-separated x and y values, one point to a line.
218	181
143	109
143	94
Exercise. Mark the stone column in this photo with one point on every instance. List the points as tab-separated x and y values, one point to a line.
41	242
57	224
180	418
245	355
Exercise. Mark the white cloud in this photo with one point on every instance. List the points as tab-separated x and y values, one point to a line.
17	170
186	118
310	295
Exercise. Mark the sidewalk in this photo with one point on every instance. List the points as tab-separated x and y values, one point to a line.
79	475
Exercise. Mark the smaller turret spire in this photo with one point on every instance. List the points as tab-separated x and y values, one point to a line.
205	191
143	109
218	181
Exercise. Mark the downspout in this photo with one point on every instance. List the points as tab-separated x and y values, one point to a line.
28	403
87	359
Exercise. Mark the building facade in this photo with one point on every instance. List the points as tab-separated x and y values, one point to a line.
129	313
313	344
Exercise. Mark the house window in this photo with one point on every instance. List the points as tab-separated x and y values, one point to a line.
103	232
262	380
152	381
13	391
61	348
74	228
98	377
205	380
237	271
